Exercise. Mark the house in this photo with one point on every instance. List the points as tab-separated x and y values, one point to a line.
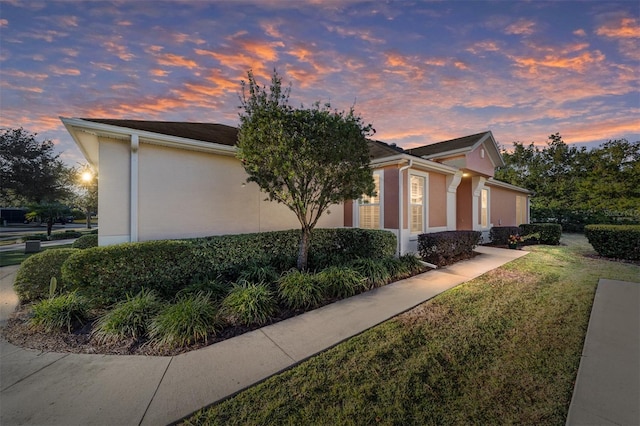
163	180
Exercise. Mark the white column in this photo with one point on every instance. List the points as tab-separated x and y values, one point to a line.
452	189
477	184
133	224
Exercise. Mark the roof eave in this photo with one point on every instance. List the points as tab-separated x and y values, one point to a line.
148	137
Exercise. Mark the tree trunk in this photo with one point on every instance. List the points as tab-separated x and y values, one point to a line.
88	214
303	250
49	226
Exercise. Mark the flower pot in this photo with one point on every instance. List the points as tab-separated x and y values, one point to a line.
513	246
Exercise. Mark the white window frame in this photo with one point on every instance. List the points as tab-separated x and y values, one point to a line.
485	211
425	202
362	202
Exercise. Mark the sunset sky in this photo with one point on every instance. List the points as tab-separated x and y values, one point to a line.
420	72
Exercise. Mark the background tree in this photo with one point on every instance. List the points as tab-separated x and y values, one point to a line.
30	171
86	197
306	159
576	186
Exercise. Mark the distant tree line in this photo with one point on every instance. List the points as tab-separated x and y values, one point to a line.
32	175
576	186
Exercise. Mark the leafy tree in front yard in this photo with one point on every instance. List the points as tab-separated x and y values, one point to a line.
306	158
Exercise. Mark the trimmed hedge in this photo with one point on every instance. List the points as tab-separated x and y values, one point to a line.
107	274
444	248
86	241
615	241
550	233
500	234
34	276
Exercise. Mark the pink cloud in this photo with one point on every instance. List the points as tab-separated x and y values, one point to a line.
622	28
64	71
171	60
118	50
521	27
23	74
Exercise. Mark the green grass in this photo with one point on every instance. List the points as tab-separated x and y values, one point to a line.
16	257
501	349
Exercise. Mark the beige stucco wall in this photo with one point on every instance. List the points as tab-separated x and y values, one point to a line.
113	191
184	194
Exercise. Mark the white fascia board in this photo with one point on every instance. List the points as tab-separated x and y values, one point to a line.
149	137
495	151
499	183
79	143
418	162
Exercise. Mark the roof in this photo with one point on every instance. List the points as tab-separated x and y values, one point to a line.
205	132
379	149
447	146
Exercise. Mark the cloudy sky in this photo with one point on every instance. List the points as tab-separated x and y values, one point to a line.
419	71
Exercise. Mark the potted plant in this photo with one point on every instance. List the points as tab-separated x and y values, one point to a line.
514	240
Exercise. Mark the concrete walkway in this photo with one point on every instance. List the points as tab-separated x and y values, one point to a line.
70	389
607	389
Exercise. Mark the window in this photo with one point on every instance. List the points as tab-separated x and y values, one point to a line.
521	210
369	207
417	203
484	208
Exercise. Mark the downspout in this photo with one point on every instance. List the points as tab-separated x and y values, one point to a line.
401	204
133	222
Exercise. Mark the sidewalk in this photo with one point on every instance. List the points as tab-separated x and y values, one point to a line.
607	389
71	389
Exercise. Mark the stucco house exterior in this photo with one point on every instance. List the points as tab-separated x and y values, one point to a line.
163	180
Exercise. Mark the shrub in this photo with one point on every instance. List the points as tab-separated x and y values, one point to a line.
65	235
34	276
300	290
60	312
192	318
257	272
108	274
396	268
500	234
550	233
615	241
373	270
412	263
128	319
280	248
86	241
215	287
445	248
340	282
249	303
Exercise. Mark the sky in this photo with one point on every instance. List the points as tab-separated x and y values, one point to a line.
420	72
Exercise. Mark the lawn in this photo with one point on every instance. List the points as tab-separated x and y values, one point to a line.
501	349
16	257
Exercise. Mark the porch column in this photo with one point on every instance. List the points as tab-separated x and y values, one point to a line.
452	188
133	223
477	184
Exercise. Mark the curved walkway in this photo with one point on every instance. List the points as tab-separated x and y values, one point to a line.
75	389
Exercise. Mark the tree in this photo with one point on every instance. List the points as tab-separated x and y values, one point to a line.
30	171
306	159
87	196
577	186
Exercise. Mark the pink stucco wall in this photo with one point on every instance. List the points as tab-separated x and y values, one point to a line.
391	197
464	211
437	200
503	207
478	164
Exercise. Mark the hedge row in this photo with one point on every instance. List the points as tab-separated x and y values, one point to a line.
33	277
550	233
616	241
444	248
107	274
500	234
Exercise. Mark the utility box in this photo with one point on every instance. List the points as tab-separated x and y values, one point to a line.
32	246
